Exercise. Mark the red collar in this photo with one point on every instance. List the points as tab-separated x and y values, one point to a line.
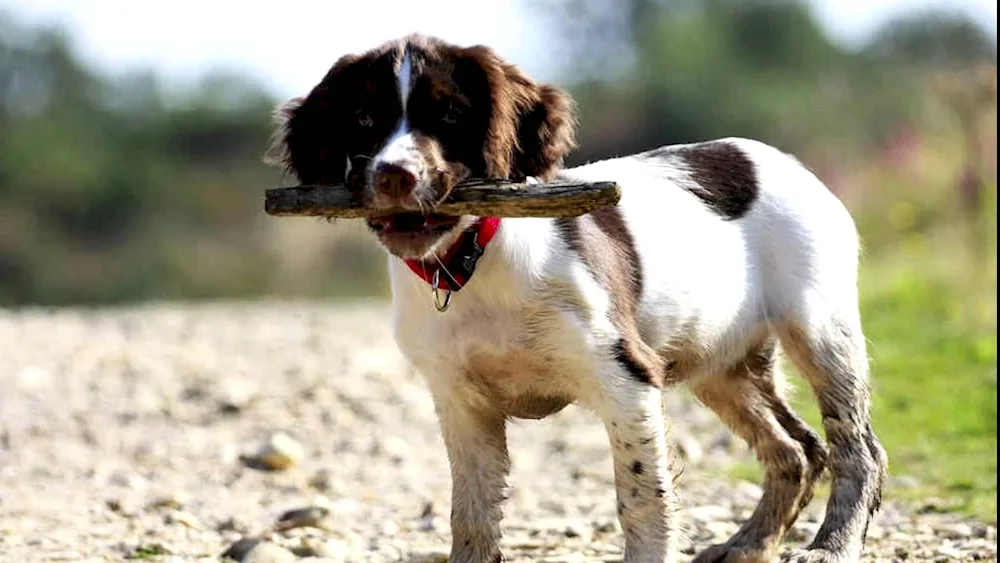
460	260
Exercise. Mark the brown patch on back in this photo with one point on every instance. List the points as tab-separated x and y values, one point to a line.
606	246
725	179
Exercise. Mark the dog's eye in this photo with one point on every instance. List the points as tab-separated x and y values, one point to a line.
364	118
451	114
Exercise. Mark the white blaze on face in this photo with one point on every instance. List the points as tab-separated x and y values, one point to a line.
401	147
403	80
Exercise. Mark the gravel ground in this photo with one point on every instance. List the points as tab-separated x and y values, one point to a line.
127	433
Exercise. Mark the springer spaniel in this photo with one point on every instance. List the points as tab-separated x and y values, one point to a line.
717	252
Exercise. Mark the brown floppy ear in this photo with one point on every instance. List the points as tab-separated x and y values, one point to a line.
531	127
547	134
307	140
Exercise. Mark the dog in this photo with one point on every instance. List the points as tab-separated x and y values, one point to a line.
717	253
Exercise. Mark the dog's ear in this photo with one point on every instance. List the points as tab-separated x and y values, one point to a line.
307	140
546	134
531	127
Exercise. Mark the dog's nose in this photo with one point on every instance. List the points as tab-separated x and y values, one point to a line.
394	180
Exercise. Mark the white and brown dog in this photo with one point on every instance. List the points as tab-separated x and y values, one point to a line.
717	252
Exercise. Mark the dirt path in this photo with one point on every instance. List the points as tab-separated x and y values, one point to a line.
121	433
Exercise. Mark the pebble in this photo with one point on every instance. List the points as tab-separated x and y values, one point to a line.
950	552
183	518
751	491
277	453
575	530
388	528
256	550
172	500
956	531
127	480
318	547
689	447
803	531
321	480
233	524
606	526
235	394
311	516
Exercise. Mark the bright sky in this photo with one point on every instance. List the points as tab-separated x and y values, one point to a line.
290	44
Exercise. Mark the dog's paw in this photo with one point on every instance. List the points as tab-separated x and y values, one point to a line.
725	553
814	556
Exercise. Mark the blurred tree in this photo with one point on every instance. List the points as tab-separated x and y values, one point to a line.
933	39
118	188
101	179
651	72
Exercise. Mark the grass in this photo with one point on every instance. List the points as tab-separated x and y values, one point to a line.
928	300
149	551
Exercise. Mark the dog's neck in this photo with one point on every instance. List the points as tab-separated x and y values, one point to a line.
502	274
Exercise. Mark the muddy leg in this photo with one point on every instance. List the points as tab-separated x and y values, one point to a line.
831	356
746	398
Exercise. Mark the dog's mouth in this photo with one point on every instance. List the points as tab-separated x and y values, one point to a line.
413	223
411	234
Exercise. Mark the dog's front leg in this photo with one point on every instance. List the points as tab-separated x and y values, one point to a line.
476	441
632	413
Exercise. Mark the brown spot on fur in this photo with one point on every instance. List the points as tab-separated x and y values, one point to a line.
637	467
633	366
604	243
724	178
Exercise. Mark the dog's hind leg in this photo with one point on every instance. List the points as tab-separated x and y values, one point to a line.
829	351
746	397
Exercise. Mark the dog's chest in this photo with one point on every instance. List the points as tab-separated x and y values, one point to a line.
518	360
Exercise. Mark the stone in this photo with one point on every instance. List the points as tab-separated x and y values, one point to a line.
311	516
331	550
956	531
183	518
277	453
256	550
688	447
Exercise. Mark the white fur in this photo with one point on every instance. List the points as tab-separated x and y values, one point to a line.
401	149
533	322
403	80
715	280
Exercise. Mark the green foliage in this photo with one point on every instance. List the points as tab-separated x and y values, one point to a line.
149	551
100	180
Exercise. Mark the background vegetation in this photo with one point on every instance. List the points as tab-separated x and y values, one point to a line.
117	189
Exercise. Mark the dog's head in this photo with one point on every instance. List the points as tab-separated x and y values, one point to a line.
403	123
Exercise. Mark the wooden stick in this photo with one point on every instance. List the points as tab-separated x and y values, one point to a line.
481	198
